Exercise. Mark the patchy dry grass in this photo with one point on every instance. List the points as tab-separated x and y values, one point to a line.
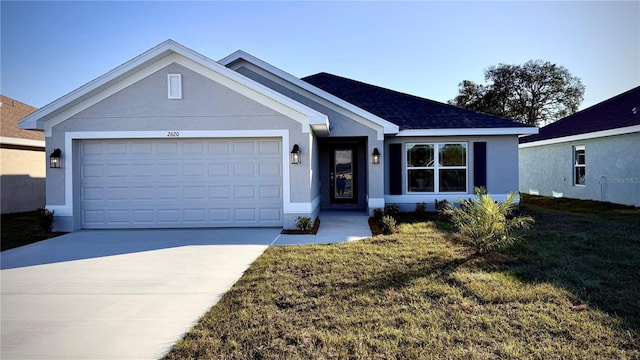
570	291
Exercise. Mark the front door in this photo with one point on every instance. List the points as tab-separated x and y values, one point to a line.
343	174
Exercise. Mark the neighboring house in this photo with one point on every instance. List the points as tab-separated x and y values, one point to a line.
174	139
22	160
593	154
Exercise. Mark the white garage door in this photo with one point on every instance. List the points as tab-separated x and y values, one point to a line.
165	183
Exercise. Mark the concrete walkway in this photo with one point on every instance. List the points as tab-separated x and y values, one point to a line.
335	227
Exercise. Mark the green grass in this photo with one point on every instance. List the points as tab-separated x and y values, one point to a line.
21	229
570	291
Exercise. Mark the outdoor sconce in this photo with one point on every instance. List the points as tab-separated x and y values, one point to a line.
375	156
54	159
295	154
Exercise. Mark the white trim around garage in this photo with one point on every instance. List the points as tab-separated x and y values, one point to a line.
580	137
287	207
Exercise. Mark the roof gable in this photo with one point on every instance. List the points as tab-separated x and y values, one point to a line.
409	112
152	60
614	113
238	56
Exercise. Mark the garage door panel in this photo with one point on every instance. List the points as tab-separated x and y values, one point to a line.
181	183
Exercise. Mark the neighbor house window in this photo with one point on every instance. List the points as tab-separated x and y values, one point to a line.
579	168
437	167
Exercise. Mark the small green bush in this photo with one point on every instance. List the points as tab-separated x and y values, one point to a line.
421	208
377	215
487	225
392	210
45	219
303	223
388	224
441	206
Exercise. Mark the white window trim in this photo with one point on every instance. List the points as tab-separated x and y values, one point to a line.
170	94
576	165
436	168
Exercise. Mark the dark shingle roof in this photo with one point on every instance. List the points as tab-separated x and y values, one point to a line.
610	114
406	111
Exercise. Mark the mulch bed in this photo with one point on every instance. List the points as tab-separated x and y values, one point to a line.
312	231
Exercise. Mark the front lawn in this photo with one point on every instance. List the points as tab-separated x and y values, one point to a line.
571	291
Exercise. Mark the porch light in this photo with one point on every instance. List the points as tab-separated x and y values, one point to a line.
295	154
54	159
375	156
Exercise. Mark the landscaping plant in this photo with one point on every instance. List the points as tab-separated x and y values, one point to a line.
486	225
388	224
303	223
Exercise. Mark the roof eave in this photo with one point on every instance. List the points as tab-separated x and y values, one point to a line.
469	131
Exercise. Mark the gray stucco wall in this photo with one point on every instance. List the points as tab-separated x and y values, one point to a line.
206	105
342	126
612	170
502	169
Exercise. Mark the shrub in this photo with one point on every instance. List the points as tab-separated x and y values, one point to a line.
442	206
421	208
486	225
388	224
480	190
392	210
303	223
45	219
377	216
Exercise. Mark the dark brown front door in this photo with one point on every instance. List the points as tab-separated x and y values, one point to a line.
343	174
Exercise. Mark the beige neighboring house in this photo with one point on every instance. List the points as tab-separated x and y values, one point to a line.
22	160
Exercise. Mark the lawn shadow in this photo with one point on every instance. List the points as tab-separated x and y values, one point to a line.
592	257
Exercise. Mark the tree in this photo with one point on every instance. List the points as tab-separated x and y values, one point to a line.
536	93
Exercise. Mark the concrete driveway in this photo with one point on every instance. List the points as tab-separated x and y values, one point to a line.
117	294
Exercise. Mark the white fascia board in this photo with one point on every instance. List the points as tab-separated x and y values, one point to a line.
157	58
388	127
21	141
471	131
32	121
586	136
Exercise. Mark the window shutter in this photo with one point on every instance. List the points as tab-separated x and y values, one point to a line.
480	164
395	169
175	86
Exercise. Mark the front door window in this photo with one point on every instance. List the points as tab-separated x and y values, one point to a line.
343	170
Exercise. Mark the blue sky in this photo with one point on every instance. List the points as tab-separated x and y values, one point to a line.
423	48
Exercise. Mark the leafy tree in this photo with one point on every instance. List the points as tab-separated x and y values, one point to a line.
536	93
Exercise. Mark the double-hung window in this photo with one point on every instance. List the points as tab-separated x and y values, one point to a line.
579	165
436	167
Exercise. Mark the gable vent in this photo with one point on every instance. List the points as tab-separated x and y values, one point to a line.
174	82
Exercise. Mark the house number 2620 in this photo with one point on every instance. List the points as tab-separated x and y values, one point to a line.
173	133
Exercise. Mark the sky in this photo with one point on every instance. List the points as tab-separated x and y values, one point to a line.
424	48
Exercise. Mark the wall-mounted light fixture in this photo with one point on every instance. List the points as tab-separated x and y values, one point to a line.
295	155
54	159
375	156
